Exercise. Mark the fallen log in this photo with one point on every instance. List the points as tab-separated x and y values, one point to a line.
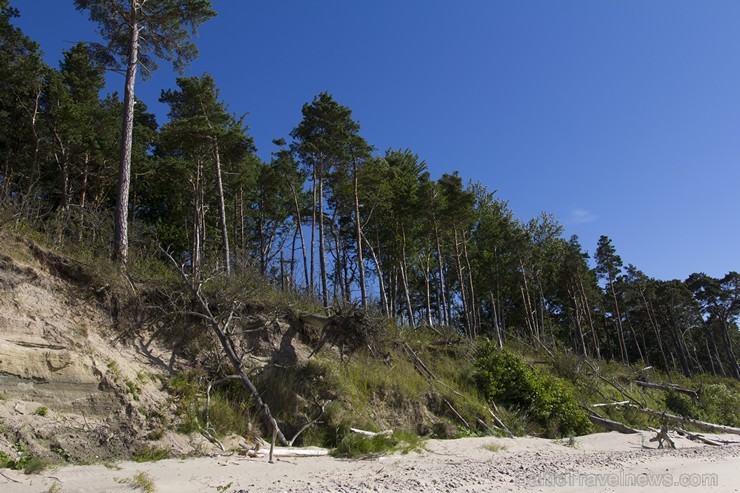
697	438
611	425
371	433
605	404
288	452
650	385
688	421
500	423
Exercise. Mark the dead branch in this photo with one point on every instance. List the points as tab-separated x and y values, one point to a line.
311	422
688	421
621	389
606	404
458	414
662	436
500	423
698	438
650	385
371	433
420	362
228	347
611	425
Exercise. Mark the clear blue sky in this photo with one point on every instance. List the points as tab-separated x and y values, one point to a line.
620	117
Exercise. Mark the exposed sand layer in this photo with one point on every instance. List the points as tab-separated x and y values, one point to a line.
599	462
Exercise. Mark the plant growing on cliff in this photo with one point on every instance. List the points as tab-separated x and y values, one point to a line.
507	379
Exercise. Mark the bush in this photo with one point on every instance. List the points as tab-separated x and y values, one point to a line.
719	404
507	379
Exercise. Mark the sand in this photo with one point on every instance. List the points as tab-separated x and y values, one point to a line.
599	462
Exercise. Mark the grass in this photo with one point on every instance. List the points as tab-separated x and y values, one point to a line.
354	445
494	447
151	454
41	411
141	481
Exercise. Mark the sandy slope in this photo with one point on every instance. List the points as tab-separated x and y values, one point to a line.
599	462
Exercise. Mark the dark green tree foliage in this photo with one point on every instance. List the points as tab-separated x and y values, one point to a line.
325	141
22	77
385	233
202	142
138	32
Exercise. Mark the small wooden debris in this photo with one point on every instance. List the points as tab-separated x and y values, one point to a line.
662	436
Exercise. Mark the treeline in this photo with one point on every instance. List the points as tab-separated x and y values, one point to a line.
331	217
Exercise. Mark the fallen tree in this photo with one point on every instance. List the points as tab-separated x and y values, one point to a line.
611	425
675	388
713	427
222	330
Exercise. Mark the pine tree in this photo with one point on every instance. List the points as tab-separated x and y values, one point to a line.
138	32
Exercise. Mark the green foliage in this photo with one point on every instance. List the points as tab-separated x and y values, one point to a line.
506	378
151	454
41	411
354	445
719	404
133	389
30	464
186	396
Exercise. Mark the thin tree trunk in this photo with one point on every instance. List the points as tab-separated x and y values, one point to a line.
620	331
299	228
120	251
443	301
222	208
461	279
404	278
322	247
358	236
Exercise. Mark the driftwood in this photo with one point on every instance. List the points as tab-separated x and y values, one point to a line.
650	385
698	438
611	425
293	452
258	452
662	436
371	433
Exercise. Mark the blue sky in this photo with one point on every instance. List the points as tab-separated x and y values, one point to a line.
620	117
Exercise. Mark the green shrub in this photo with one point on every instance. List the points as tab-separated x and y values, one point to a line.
151	454
30	464
719	404
41	411
507	379
680	404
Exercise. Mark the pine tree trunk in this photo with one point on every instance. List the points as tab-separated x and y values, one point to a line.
222	208
299	228
120	250
404	279
443	301
620	331
358	234
322	247
461	280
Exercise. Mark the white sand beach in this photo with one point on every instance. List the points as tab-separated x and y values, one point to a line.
595	463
